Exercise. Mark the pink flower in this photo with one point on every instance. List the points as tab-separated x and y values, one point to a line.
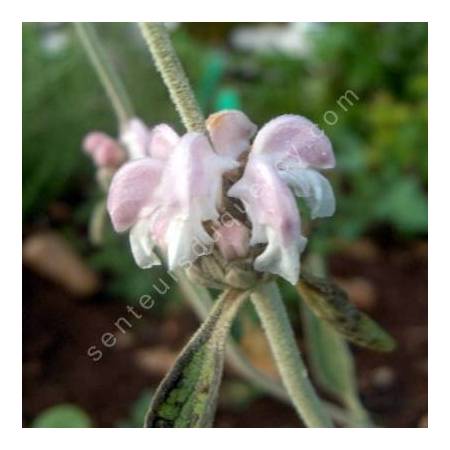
173	186
167	195
275	221
285	153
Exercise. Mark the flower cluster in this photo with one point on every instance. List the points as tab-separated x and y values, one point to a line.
171	194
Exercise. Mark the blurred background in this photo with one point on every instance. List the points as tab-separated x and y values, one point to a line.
375	246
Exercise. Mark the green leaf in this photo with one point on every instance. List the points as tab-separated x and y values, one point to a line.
187	396
62	416
332	365
331	304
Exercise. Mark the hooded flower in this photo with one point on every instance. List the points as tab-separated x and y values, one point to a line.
166	196
172	187
285	154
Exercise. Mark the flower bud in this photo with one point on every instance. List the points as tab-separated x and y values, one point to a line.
232	239
103	149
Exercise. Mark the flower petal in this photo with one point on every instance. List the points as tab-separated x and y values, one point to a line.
189	194
135	137
230	131
162	141
187	240
295	141
132	188
280	259
273	212
315	188
142	245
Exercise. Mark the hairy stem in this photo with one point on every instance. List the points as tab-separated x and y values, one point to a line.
274	318
106	72
173	75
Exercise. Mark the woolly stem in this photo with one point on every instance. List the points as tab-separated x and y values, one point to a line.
106	72
275	321
173	75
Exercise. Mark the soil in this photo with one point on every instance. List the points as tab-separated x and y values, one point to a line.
58	329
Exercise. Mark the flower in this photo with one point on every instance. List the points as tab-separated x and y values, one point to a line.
170	193
285	154
166	196
272	211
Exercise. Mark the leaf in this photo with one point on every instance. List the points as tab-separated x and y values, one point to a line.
332	365
187	396
329	355
331	304
62	416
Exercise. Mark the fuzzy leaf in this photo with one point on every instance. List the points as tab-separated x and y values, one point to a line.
332	365
331	304
187	396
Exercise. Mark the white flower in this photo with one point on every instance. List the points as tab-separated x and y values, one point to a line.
275	221
167	195
285	153
173	187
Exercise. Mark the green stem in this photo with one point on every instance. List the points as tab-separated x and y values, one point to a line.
274	318
173	75
106	72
